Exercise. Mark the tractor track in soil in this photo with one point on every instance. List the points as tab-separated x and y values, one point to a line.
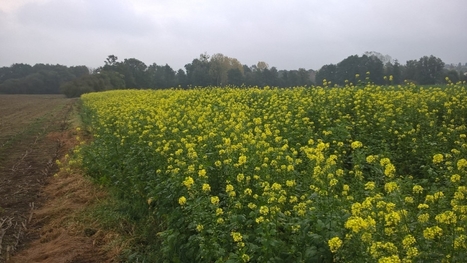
35	131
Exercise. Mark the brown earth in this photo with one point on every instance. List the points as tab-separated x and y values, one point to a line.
37	210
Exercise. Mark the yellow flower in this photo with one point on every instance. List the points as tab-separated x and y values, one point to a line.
333	182
295	228
236	236
438	195
241	160
356	144
455	178
206	188
251	206
245	258
229	188
462	163
214	200
188	182
293	199
240	177
460	242
276	186
392	218
432	232
438	158
429	198
334	244
391	187
408	241
356	223
390	259
282	199
389	170
199	228
412	252
290	183
264	210
447	217
370	159
417	189
384	161
182	200
423	206
339	172
202	173
370	186
378	248
219	211
389	231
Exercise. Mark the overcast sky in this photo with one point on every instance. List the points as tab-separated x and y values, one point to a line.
286	34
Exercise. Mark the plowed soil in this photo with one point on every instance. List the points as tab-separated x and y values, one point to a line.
35	206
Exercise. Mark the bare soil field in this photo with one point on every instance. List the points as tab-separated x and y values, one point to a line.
35	131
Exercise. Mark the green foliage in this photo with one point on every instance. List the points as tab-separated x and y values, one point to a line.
105	80
347	70
425	71
39	79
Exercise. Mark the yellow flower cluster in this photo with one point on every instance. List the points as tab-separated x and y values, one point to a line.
376	171
334	244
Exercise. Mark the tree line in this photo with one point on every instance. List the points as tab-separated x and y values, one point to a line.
380	69
215	70
218	70
38	79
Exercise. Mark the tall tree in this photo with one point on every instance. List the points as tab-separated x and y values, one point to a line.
304	76
261	65
328	73
397	73
136	73
235	76
430	70
219	66
384	58
271	77
15	71
410	70
79	71
182	78
347	69
374	65
155	76
111	60
198	71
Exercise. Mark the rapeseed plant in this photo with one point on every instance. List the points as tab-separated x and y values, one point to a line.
354	174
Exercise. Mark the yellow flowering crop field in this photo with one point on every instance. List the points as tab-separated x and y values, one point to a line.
306	174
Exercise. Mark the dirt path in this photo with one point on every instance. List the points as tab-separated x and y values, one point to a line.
35	131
